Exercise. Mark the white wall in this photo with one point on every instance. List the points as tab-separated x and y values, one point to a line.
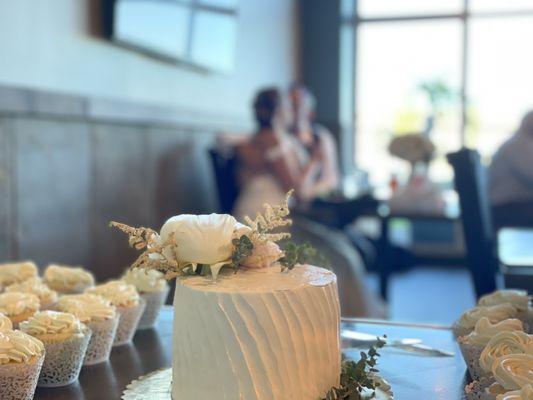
46	44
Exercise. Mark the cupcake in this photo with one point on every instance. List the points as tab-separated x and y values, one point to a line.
496	313
5	323
18	306
129	304
100	316
473	344
502	344
21	359
47	296
526	393
153	288
519	299
511	372
65	339
67	280
17	272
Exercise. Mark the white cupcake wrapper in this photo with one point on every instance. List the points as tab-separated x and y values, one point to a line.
471	354
18	381
63	361
129	320
103	336
476	390
154	302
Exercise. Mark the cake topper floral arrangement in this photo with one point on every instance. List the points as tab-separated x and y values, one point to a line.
206	244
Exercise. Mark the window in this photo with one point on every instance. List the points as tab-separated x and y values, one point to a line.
476	58
200	32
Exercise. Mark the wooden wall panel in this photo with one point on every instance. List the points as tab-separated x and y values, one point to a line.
6	137
122	192
52	191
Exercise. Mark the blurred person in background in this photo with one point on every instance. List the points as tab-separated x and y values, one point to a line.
511	178
272	162
316	139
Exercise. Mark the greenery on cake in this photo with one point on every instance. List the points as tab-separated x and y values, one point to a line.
358	376
252	244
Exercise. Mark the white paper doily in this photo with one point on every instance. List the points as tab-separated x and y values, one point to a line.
157	386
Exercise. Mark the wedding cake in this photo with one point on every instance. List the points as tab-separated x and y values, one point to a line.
259	334
251	321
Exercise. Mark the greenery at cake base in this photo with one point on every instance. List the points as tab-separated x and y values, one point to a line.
357	376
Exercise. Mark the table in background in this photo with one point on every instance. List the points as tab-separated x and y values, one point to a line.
411	376
515	251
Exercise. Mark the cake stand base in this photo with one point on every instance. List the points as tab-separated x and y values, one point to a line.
157	386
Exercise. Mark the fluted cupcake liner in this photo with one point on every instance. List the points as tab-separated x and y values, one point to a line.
63	360
154	302
18	381
101	342
471	354
129	320
459	331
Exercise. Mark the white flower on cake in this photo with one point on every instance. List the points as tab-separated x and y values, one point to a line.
201	239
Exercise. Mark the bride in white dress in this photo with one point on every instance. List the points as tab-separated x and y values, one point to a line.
273	162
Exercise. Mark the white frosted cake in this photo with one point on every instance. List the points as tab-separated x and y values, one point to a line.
252	321
257	335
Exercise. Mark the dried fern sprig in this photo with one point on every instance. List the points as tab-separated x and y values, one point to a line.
272	218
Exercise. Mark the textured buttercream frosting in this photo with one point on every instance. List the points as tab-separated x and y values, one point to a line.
5	323
17	272
18	347
119	293
513	371
67	279
256	335
495	313
526	393
146	281
486	330
53	325
87	307
15	303
504	343
519	299
35	286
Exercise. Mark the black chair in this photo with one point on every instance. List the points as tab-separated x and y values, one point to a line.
470	184
225	164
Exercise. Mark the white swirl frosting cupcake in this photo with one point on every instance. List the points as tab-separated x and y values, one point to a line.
21	359
17	272
5	323
468	320
47	296
473	344
129	305
100	316
19	306
513	371
68	280
505	343
65	339
519	299
526	393
153	288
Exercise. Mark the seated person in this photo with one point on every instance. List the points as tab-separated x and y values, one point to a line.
316	139
511	174
273	162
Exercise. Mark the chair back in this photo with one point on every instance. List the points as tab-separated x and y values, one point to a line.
225	164
471	185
